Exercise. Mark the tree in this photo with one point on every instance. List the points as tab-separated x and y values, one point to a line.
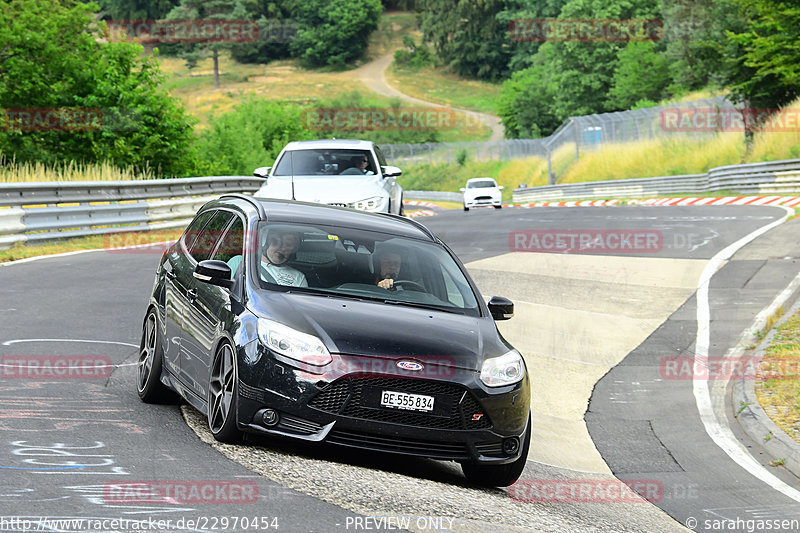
51	60
136	9
763	66
527	103
276	31
202	10
333	32
467	35
642	73
692	31
248	137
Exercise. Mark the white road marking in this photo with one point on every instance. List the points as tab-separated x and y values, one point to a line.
720	433
19	341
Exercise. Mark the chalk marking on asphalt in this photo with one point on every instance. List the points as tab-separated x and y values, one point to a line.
720	433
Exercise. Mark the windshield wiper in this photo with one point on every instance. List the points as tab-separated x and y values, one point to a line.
424	306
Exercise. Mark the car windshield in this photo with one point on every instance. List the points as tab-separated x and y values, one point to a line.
483	184
350	263
331	162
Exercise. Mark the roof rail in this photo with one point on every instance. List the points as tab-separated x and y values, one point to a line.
249	199
411	221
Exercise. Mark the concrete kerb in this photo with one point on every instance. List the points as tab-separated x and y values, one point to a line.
753	420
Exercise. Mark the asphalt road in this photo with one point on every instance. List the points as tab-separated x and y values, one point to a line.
66	445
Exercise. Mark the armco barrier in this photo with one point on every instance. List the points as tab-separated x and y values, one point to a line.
45	211
775	177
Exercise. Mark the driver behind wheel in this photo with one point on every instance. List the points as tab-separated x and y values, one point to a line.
389	265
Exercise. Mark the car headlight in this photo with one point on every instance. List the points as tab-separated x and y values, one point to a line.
293	344
504	370
368	204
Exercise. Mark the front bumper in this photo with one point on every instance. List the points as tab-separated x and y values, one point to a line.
483	201
471	423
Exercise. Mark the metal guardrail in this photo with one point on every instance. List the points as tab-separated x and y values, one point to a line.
433	195
46	211
776	177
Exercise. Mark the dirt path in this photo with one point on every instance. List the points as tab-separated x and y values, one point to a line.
373	75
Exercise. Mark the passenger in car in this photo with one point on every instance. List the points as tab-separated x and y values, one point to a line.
282	247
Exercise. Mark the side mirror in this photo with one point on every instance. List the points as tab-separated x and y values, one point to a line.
262	172
214	272
501	187
501	308
390	171
463	189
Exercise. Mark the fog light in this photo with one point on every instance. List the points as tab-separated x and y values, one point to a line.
270	417
511	446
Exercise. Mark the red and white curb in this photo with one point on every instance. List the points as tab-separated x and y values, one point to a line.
788	201
420	212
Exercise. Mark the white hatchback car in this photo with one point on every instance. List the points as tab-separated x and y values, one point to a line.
346	173
482	192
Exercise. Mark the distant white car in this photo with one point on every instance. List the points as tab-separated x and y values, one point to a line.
345	173
482	192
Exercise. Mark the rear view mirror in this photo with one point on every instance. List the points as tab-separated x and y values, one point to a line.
390	171
262	172
501	308
214	272
462	189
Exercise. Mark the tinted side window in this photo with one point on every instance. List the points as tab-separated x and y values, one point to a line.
230	247
381	158
208	237
191	233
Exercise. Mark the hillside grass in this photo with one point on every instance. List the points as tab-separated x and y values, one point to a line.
436	85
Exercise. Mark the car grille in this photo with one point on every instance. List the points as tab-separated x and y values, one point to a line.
433	449
458	408
337	204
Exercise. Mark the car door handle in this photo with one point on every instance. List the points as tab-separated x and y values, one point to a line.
192	295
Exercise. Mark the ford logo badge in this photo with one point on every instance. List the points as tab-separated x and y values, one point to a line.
410	365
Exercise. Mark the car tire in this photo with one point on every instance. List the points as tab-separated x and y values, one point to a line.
466	208
151	359
498	207
222	396
499	475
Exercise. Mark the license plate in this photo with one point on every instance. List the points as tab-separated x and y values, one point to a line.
402	400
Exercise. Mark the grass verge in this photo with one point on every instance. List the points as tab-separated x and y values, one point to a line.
778	381
13	172
110	242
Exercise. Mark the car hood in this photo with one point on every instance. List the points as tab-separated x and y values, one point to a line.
323	189
365	328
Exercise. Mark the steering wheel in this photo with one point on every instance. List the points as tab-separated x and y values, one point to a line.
409	285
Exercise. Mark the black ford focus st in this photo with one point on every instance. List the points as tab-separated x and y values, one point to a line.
335	326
